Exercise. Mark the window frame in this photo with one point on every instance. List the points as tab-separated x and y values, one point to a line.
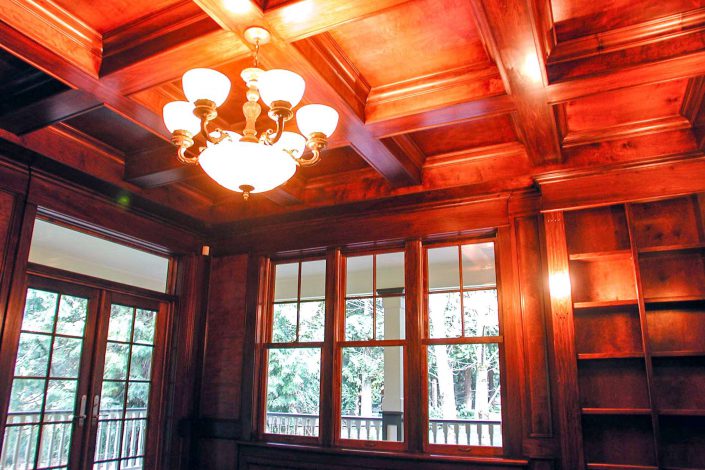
266	344
340	342
415	344
427	340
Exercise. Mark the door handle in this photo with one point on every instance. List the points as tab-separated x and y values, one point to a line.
96	408
82	410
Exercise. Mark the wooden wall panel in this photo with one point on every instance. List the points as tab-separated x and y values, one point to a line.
531	285
224	339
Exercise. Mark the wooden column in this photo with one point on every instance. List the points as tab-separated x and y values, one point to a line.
328	381
563	343
415	410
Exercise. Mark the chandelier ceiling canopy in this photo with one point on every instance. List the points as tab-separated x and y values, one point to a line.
247	162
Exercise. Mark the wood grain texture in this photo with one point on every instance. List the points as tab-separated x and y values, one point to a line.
220	387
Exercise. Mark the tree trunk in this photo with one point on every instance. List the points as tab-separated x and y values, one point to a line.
445	373
366	397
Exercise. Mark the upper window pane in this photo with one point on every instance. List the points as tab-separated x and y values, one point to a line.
313	279
390	272
286	282
70	250
443	268
358	278
478	265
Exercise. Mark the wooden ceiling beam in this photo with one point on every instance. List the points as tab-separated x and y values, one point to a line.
48	111
683	66
510	32
300	19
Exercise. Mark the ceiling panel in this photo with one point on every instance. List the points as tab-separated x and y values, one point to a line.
467	135
107	15
625	106
334	161
412	40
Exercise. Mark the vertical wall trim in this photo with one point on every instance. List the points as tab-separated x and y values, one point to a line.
563	331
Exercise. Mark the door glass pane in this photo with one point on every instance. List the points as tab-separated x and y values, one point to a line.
43	396
372	394
122	423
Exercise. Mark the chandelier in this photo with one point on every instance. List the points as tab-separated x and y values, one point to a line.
246	162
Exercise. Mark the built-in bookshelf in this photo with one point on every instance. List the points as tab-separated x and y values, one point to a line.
638	289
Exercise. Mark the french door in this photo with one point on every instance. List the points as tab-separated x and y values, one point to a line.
86	384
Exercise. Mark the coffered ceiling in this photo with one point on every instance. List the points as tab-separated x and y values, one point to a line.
479	95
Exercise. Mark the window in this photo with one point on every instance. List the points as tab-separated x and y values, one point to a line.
463	346
372	372
433	341
294	349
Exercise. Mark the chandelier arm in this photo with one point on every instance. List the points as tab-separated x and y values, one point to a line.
207	134
183	158
267	136
309	161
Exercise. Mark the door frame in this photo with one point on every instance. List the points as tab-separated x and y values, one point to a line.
100	292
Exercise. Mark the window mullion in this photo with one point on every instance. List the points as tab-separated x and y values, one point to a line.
330	382
415	391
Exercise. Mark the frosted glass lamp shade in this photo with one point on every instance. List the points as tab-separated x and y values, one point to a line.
291	142
178	116
317	118
205	84
281	85
235	164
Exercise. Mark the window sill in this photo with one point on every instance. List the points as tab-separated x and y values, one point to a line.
499	461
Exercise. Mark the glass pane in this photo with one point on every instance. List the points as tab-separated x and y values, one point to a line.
112	399
61	396
137	399
293	391
358	319
358	276
19	447
444	315
141	364
286	282
72	315
105	465
145	321
27	397
464	399
133	464
107	444
133	438
33	355
390	272
372	394
478	265
116	361
390	318
55	444
284	325
66	359
120	327
39	311
313	279
481	313
443	268
312	321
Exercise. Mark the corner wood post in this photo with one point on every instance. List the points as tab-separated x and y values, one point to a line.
563	334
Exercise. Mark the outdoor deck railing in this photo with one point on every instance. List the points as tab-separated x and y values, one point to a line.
440	431
20	439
